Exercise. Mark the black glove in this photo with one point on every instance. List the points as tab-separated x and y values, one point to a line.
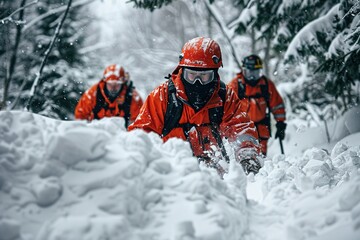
247	157
280	130
250	165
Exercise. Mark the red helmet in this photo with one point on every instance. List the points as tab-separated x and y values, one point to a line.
201	52
114	72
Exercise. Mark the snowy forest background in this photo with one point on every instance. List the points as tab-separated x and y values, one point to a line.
311	49
78	180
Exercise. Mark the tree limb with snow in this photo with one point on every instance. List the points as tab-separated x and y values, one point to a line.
38	75
12	63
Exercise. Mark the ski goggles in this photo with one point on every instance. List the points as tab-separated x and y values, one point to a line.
113	85
204	77
252	74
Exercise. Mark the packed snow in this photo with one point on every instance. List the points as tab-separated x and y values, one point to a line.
76	180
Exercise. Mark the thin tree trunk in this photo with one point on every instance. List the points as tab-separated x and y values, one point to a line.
267	56
225	31
11	66
181	28
54	11
16	100
21	8
209	23
47	53
253	40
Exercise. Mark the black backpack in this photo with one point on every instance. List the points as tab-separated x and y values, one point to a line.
102	104
174	112
265	94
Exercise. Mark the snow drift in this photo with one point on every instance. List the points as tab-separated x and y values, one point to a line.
77	180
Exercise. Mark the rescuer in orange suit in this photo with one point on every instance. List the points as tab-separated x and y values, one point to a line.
262	96
194	105
113	96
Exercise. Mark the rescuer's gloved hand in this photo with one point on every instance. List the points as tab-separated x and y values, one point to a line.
248	159
280	130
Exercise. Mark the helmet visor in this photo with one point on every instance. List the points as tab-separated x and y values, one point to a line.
204	77
252	74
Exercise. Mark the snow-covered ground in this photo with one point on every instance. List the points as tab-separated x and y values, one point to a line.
75	180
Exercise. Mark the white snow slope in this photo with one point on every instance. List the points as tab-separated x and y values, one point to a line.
75	180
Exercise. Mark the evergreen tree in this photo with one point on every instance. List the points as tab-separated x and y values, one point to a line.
63	75
308	34
343	56
333	39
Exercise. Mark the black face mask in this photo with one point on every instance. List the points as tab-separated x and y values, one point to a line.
199	94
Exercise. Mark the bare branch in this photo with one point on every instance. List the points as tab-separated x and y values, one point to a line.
53	11
224	30
15	102
47	53
12	63
95	47
18	22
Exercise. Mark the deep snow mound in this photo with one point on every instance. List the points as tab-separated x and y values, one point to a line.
78	180
317	194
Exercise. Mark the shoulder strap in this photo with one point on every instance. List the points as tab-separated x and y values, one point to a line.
127	103
241	90
175	106
100	102
222	91
173	110
265	92
216	114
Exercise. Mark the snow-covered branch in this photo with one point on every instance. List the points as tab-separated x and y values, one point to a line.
245	17
13	58
307	35
57	10
17	22
47	53
225	30
95	47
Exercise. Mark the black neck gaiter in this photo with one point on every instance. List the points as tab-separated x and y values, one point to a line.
199	94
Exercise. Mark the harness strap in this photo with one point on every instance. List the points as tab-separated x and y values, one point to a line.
216	134
102	104
264	94
127	103
174	111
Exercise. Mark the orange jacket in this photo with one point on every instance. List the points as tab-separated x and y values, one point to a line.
86	104
257	106
236	125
